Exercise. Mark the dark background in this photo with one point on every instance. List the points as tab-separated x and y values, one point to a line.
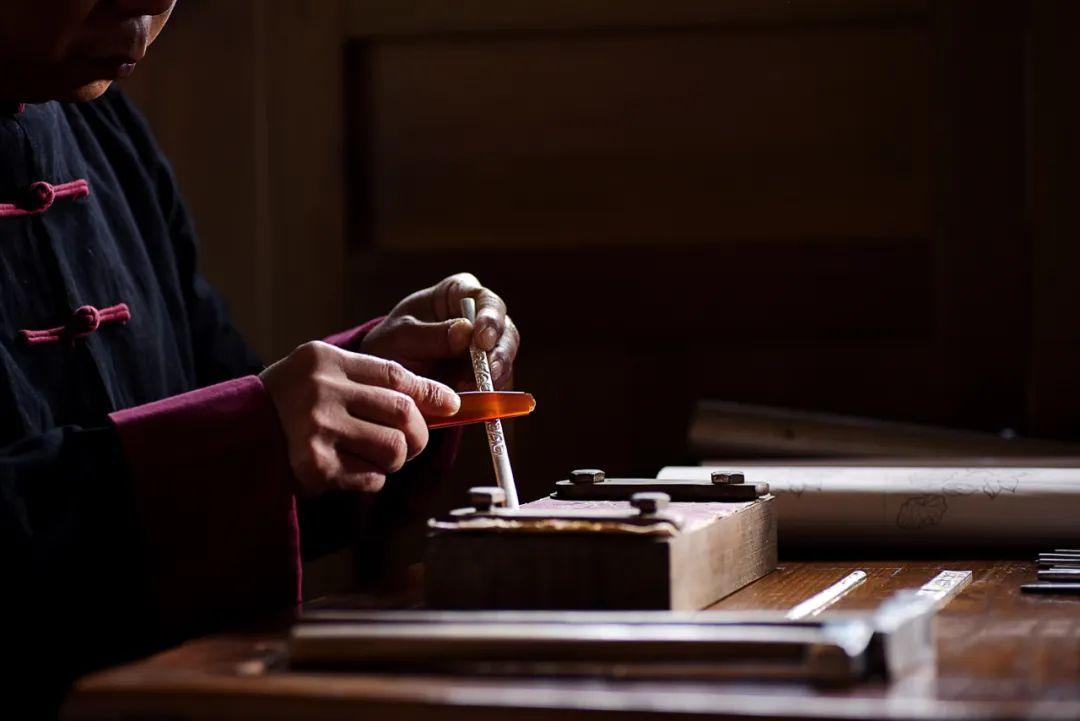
855	206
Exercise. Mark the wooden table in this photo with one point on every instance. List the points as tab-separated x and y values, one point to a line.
1001	655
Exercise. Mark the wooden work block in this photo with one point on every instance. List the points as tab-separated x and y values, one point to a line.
588	555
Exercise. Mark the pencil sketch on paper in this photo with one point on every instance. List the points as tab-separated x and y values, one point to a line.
919	512
990	483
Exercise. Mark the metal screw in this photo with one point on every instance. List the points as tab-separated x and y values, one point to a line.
649	503
728	477
585	476
484	498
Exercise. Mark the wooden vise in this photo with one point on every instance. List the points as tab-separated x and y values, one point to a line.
600	543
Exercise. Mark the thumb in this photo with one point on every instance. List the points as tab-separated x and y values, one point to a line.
432	341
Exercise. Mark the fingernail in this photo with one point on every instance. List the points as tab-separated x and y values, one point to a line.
488	338
496	369
460	334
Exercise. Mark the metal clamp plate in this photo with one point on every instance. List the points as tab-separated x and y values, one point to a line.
620	489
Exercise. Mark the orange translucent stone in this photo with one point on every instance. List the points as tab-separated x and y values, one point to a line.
477	406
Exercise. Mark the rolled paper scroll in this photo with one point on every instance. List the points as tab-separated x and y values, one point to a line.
905	507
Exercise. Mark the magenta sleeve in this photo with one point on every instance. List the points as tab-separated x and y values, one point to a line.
213	489
350	339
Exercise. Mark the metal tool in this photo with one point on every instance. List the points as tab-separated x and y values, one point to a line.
1059	574
886	641
823	599
1071	589
943	587
592	484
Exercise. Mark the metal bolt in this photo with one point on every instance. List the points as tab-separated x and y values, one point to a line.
649	503
728	477
484	498
585	476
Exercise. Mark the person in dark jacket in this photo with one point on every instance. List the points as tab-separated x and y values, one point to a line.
150	463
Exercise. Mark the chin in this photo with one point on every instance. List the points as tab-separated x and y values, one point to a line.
68	92
90	91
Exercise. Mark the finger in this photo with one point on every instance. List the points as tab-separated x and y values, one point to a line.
505	352
490	319
446	295
490	308
413	338
432	398
358	475
326	466
392	409
315	466
383	447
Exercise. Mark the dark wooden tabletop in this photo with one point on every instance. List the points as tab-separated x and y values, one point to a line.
1001	654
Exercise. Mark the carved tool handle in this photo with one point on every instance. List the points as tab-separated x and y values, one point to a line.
500	454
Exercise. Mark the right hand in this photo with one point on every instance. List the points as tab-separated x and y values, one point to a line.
351	419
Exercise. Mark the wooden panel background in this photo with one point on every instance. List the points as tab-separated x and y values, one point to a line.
246	99
578	138
1054	381
862	207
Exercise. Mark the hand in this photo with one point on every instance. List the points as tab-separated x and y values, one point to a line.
350	419
426	329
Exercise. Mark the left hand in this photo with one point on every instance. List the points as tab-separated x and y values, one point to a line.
426	331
